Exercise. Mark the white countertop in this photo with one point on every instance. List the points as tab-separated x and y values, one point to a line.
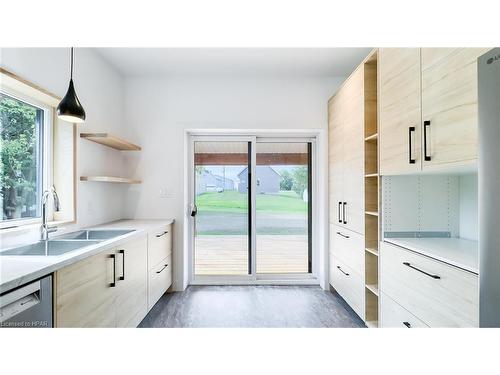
455	251
17	270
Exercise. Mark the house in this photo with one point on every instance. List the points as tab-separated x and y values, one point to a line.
268	180
207	181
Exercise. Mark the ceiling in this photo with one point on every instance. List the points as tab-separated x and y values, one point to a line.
234	61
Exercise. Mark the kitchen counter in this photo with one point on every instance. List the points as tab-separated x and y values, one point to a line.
19	270
455	251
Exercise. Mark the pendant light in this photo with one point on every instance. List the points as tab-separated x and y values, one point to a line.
70	109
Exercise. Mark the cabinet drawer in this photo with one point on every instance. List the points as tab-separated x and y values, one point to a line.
437	293
348	246
159	280
159	245
348	284
395	316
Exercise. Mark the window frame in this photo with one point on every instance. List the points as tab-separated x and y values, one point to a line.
46	154
59	143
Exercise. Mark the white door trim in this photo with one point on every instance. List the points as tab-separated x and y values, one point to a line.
320	204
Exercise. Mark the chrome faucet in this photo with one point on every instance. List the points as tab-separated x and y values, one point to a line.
45	229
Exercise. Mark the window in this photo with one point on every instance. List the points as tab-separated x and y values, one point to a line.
22	158
37	151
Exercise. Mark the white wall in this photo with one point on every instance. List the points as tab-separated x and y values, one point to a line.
159	110
101	91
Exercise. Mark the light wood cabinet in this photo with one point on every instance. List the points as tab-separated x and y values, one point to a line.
348	246
132	283
449	105
438	294
392	315
348	284
427	109
346	154
84	293
117	287
399	110
160	279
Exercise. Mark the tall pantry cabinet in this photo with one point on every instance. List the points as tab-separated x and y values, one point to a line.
353	184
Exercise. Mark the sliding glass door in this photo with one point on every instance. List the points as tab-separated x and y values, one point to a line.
252	208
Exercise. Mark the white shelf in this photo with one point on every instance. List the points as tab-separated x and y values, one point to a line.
110	140
120	180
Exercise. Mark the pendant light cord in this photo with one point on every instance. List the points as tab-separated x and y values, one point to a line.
71	62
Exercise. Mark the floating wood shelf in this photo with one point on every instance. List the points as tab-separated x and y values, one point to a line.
119	180
372	288
372	251
112	141
371	175
372	138
373	213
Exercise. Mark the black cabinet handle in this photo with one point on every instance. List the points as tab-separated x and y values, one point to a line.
341	270
162	234
165	266
343	235
426	125
410	130
113	284
343	212
407	264
340	209
122	277
407	325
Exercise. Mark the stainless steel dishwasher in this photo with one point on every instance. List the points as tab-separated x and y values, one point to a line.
28	306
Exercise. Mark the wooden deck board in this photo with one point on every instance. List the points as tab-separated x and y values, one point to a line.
228	255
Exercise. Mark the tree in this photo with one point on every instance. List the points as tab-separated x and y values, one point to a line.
18	171
300	180
286	181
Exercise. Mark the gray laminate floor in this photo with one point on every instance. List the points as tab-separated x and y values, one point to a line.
251	306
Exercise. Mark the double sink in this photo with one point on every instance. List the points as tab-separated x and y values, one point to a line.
66	242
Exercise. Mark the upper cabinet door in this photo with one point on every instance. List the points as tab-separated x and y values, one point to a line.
449	106
353	154
399	110
335	160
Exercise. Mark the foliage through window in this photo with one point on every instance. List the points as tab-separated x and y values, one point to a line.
21	142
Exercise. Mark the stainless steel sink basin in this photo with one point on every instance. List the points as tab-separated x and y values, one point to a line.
94	234
51	247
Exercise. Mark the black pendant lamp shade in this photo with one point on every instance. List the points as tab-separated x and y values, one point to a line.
70	108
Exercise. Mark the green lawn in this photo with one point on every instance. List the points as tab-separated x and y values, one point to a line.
233	201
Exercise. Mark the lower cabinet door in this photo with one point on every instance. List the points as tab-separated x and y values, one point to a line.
84	293
395	316
441	295
348	284
132	282
160	279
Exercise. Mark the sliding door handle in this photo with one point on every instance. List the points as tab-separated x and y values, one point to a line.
411	129
426	125
407	264
122	252
340	212
343	212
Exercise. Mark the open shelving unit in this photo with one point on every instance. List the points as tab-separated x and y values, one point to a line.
120	180
116	143
110	140
371	194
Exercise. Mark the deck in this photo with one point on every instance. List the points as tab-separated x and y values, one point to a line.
228	254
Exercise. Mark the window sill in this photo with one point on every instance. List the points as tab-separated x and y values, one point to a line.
32	226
